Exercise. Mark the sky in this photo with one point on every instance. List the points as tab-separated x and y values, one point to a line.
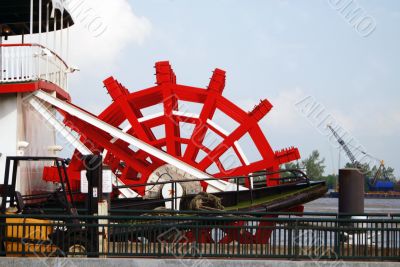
297	54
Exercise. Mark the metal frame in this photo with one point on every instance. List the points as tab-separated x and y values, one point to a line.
90	120
73	140
9	186
116	144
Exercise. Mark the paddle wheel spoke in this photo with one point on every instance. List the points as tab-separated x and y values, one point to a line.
222	157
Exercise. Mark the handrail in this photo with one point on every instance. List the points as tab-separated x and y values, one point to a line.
243	215
37	45
202	235
32	61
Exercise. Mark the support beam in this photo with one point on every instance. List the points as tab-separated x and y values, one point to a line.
215	87
214	185
73	140
172	130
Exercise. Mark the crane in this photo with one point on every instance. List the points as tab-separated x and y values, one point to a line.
381	181
374	183
345	148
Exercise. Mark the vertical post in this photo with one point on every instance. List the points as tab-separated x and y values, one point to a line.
337	238
237	191
351	202
1	56
54	35
40	54
94	174
13	181
290	239
68	44
31	20
40	22
351	191
67	59
61	52
296	239
103	229
5	187
47	41
173	196
4	191
251	188
54	68
94	168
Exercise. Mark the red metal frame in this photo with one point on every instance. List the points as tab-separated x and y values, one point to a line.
127	106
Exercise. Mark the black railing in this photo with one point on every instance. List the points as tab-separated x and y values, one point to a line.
205	234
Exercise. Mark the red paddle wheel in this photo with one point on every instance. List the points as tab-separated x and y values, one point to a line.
178	131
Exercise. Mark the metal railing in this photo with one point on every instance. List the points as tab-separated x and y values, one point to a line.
205	234
29	62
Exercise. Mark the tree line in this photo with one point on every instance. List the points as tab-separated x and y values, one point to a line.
314	166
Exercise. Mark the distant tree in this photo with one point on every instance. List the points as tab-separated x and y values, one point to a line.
390	174
331	180
314	166
364	167
289	166
370	172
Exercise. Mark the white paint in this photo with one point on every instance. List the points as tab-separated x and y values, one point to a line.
172	190
31	128
8	126
185	114
61	128
216	126
24	133
107	181
73	140
214	185
168	172
106	185
27	63
152	116
22	144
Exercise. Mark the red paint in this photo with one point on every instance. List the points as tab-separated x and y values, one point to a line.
28	87
127	106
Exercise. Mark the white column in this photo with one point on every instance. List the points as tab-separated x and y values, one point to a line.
31	21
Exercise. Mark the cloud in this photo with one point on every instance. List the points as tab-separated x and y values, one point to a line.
284	114
382	124
283	110
103	29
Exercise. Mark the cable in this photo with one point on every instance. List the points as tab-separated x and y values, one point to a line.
365	153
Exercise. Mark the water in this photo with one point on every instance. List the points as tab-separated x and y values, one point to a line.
371	205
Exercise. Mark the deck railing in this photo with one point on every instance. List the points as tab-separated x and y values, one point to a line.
203	235
31	62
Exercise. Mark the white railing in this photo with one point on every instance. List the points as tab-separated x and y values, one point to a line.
31	62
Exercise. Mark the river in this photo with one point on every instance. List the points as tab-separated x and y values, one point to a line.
371	205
